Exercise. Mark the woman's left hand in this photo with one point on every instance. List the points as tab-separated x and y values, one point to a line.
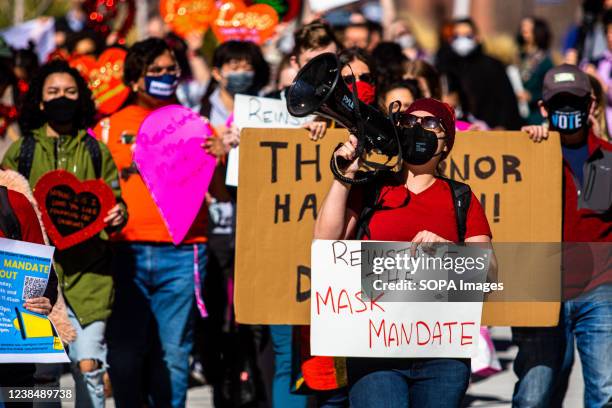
115	216
40	305
317	129
424	239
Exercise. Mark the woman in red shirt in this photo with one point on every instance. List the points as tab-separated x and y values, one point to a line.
417	207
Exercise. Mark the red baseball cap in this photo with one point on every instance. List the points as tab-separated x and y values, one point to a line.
442	111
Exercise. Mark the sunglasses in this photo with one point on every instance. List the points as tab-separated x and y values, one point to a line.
427	122
366	77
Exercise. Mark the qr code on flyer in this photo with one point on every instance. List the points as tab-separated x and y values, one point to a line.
33	287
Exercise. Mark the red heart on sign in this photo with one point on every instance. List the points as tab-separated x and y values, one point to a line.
235	21
105	78
72	210
186	16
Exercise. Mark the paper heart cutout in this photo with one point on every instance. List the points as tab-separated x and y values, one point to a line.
187	16
72	210
174	166
235	21
105	78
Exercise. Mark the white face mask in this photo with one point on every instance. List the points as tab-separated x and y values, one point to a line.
406	41
463	45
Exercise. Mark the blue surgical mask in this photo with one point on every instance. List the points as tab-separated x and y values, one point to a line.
239	82
161	87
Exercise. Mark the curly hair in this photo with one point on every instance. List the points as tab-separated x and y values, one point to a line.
32	118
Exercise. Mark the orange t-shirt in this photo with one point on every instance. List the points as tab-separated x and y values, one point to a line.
145	223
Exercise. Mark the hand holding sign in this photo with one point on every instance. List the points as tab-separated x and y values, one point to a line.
174	166
72	210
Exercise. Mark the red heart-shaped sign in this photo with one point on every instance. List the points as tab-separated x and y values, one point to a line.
235	21
105	78
72	210
187	16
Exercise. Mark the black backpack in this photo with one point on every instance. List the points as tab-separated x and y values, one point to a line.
462	195
26	155
9	224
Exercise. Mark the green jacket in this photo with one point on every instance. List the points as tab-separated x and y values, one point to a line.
84	270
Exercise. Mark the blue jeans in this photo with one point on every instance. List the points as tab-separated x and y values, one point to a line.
150	332
281	395
546	355
89	345
438	382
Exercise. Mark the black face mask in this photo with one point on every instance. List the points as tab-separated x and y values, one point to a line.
60	110
420	145
568	116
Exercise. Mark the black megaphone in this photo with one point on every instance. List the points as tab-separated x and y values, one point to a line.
319	89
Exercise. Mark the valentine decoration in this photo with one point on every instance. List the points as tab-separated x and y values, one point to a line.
235	21
187	16
174	166
105	78
72	210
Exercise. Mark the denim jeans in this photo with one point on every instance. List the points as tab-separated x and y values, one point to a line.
281	395
89	345
546	355
437	382
150	332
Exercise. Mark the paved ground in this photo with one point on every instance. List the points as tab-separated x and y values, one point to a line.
495	391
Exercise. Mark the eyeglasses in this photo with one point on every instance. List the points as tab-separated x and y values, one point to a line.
365	77
428	122
157	70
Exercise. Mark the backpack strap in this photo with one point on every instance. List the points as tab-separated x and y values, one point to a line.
372	202
26	156
370	205
462	195
9	224
96	155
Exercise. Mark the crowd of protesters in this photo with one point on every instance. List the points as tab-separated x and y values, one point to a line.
124	299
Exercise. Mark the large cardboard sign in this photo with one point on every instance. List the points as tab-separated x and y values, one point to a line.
518	182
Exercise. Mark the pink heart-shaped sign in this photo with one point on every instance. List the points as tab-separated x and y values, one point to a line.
173	165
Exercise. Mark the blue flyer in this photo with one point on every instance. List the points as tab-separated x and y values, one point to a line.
25	336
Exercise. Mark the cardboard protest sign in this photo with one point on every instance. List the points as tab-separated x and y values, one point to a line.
174	166
346	321
25	336
274	227
258	112
519	185
72	210
518	181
